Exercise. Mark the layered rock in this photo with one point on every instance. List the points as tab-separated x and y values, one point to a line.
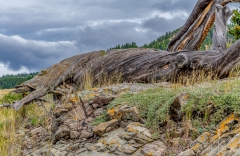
72	132
224	141
72	117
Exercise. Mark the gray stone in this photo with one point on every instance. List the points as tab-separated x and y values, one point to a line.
64	153
54	151
237	153
81	150
137	127
89	110
188	152
128	135
64	147
156	148
79	112
101	128
124	113
74	126
95	105
140	141
74	134
85	134
113	148
118	153
103	148
124	124
127	148
89	119
62	132
98	112
87	145
143	137
132	142
74	147
178	103
108	129
137	145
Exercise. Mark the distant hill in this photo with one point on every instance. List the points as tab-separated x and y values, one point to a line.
10	81
163	41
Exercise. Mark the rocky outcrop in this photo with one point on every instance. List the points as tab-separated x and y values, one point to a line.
73	116
123	133
224	141
35	139
72	131
135	139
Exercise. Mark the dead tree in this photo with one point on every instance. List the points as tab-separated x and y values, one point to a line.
197	26
142	65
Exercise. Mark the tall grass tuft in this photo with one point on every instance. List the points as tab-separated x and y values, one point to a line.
13	123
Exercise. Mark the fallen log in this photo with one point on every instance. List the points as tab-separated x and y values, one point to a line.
134	65
140	64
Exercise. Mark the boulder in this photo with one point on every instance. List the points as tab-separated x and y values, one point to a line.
156	148
137	127
124	113
98	112
74	134
62	132
175	107
85	134
101	128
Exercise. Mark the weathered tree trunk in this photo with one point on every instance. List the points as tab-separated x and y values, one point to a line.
222	14
143	65
197	26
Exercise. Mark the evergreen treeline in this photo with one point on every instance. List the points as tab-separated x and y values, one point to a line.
10	81
163	41
124	46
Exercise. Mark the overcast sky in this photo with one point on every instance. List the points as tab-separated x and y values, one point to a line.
34	34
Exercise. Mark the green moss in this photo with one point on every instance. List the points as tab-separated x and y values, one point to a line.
100	119
153	104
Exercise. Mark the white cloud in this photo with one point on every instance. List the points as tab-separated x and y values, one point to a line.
17	52
4	70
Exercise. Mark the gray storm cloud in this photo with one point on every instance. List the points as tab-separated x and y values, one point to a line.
37	34
17	52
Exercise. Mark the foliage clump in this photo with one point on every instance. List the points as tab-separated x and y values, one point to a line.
208	104
235	25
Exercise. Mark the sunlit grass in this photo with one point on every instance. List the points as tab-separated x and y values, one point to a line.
13	123
154	104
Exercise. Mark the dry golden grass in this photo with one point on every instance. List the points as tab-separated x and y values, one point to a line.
4	91
12	122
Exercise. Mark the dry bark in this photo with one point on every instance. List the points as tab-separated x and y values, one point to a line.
143	65
197	26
